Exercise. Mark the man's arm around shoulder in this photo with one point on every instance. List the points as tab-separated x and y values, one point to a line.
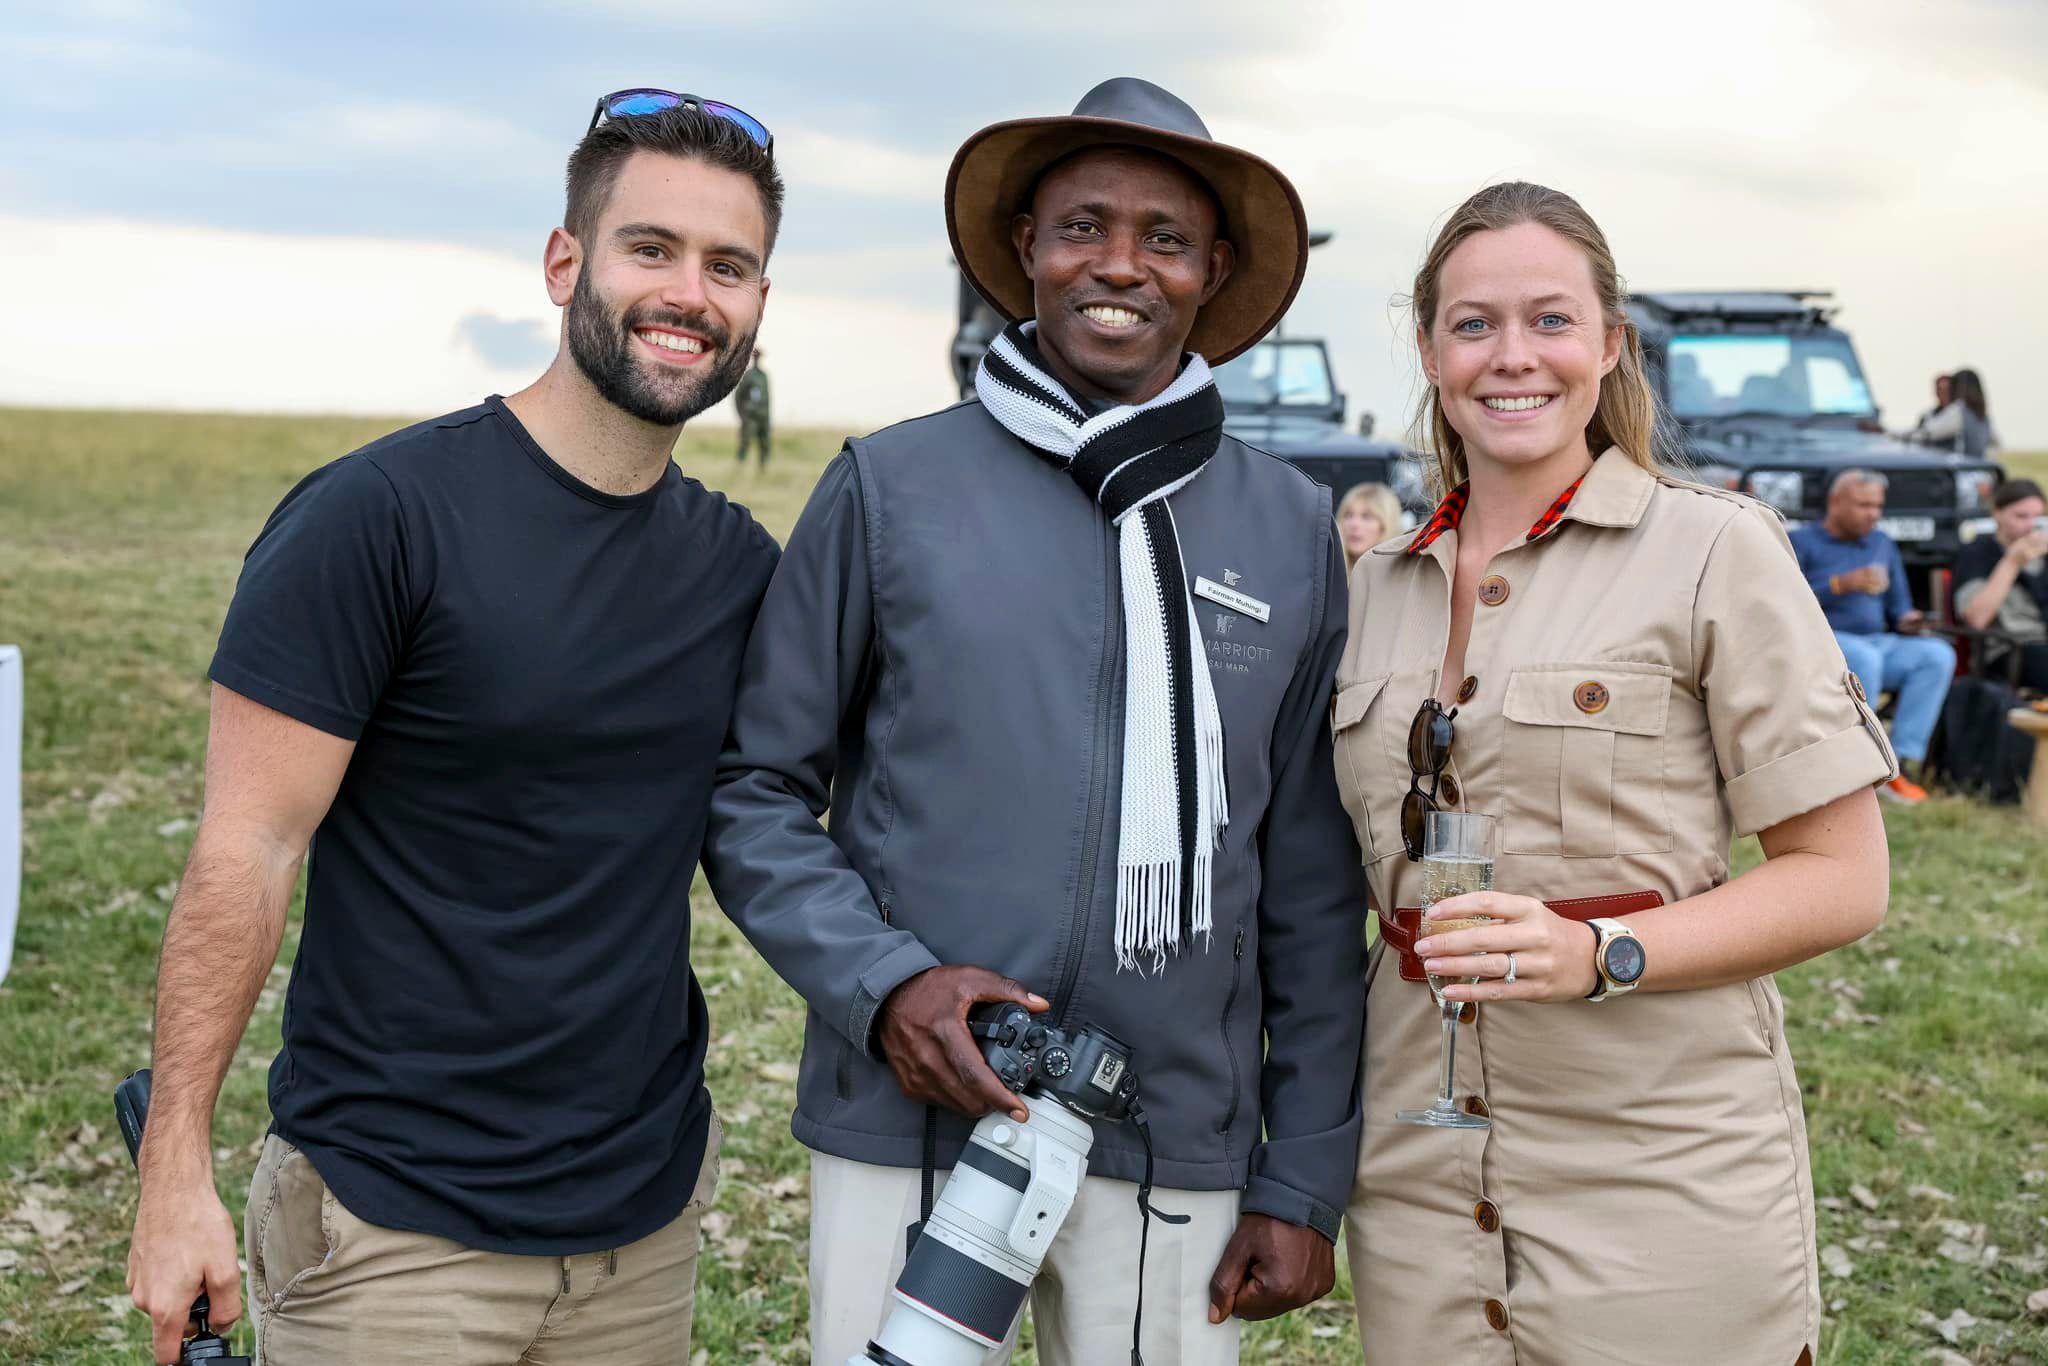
269	781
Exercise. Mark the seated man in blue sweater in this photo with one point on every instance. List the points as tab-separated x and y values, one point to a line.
1856	572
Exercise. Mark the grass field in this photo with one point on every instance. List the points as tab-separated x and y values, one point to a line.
1924	1050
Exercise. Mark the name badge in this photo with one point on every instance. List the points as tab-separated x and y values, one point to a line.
1231	598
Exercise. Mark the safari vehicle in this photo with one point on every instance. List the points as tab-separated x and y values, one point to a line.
1770	400
1279	396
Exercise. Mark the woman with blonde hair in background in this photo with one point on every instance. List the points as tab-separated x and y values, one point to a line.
1624	670
1366	515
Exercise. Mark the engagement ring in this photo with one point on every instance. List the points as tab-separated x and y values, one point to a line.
1511	968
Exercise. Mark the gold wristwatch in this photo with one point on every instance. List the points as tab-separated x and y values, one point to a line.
1618	960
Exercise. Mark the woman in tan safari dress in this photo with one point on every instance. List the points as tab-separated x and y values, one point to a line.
1638	673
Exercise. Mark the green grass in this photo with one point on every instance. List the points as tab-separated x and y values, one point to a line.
1924	1051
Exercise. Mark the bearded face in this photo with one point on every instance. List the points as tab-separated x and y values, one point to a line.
616	350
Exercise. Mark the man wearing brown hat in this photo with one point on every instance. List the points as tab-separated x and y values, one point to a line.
1059	659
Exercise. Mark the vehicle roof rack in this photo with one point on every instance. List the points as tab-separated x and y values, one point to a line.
1741	303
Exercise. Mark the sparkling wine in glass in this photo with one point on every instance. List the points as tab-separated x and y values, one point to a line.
1457	857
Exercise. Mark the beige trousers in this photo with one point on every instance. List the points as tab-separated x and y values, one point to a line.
328	1289
1082	1301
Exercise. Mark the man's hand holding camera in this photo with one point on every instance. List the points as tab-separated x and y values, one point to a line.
185	1242
924	1037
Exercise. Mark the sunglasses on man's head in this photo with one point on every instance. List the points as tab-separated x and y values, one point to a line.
624	103
1429	752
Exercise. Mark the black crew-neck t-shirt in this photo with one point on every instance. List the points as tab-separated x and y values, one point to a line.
492	1032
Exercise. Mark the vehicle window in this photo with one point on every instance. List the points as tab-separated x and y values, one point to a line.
1289	374
1786	376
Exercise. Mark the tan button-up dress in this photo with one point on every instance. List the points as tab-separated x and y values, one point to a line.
1648	678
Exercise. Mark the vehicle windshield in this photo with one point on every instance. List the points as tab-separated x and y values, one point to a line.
1774	375
1281	374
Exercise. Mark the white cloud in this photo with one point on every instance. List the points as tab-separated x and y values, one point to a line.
140	315
816	159
1872	149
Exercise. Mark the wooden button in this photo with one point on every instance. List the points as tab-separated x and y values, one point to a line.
1466	689
1487	1216
1493	590
1469	1012
1496	1316
1590	697
1476	1106
1448	790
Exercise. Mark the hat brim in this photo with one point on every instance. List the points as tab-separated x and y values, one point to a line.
1262	219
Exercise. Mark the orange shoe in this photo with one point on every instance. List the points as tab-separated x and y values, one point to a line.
1904	791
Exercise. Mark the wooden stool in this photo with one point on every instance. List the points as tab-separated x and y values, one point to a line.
2035	723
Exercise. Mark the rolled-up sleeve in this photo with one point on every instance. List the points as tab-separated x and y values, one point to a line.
774	869
1792	730
1312	910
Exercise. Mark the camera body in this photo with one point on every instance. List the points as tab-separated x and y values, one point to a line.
976	1255
1088	1070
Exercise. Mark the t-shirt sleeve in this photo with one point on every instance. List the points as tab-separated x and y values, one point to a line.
1973	566
321	611
1791	729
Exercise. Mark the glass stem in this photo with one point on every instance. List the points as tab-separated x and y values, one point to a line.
1444	1100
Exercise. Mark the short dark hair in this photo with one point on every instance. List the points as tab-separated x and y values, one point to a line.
682	131
2012	491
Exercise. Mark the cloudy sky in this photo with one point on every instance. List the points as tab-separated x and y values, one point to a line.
341	208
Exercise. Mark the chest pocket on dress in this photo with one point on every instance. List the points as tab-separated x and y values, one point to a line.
1583	760
1362	777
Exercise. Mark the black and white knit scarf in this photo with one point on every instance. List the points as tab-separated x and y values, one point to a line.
1130	459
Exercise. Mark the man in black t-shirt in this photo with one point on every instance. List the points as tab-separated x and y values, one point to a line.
483	667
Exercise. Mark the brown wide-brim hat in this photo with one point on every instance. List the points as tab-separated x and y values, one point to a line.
996	170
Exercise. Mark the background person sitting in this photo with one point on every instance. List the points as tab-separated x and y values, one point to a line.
1856	573
1963	424
2002	582
1366	515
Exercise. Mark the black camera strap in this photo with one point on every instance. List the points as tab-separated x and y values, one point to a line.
926	1178
1146	1213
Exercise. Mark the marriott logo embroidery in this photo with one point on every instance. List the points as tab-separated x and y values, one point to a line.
1230	656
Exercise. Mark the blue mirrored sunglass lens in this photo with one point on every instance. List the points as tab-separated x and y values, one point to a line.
639	102
752	125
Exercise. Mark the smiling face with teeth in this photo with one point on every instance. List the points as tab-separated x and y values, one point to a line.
1122	250
664	300
1519	347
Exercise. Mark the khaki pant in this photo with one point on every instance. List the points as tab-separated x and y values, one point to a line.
1082	1301
328	1289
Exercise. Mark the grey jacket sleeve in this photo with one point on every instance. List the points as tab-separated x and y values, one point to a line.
1311	948
775	871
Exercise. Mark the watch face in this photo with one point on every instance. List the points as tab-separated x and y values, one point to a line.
1624	959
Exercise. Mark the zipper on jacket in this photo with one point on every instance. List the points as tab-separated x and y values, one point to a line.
1091	836
1230	1000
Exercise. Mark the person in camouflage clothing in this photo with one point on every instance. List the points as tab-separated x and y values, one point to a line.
751	399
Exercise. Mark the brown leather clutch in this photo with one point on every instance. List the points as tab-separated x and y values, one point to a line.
1401	930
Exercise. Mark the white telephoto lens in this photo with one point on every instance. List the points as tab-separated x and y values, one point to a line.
965	1282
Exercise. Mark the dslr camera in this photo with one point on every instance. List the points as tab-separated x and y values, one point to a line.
981	1244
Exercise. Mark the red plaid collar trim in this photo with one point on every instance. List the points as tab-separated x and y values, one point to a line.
1451	511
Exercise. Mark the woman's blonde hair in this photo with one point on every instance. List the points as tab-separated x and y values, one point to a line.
1626	414
1380	501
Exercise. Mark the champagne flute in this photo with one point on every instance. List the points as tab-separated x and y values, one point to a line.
1457	857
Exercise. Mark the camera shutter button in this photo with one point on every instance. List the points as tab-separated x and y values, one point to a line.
1034	1037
